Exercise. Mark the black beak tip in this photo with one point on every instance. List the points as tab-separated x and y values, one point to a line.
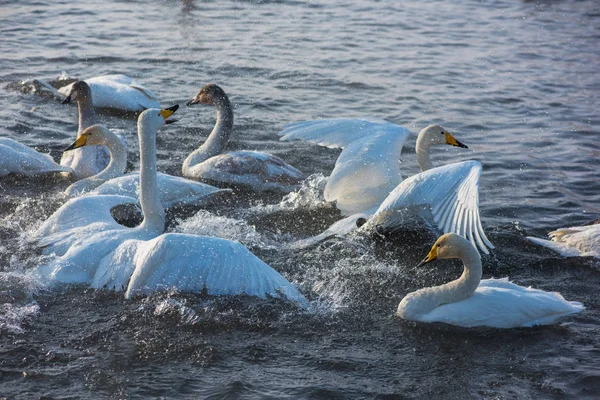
190	103
464	146
67	100
170	121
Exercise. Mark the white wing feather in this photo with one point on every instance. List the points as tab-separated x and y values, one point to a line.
191	263
77	218
451	192
582	241
19	159
118	92
336	132
173	191
369	166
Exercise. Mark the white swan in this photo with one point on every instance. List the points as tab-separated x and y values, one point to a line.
97	250
470	301
90	160
118	92
251	169
173	191
367	182
18	159
577	241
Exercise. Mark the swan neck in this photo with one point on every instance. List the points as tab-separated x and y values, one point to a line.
87	114
422	150
118	159
218	138
464	286
154	214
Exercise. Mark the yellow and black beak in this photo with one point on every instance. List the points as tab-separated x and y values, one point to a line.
79	142
430	257
451	140
167	112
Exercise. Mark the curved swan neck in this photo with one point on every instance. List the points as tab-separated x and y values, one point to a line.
154	214
118	159
87	114
422	149
468	282
417	304
218	138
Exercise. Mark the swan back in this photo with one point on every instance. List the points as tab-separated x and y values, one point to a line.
119	92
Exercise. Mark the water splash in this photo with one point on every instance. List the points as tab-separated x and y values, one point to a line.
207	224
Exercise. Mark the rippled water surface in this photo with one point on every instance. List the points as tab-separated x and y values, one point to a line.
516	81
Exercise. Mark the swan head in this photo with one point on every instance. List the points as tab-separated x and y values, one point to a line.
154	118
435	134
79	90
93	135
449	245
210	94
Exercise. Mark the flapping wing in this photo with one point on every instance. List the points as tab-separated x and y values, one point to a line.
337	132
366	172
451	192
191	263
367	169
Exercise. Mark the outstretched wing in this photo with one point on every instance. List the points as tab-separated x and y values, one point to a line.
336	132
450	192
191	263
367	169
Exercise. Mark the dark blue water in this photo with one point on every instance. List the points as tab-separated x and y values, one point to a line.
516	81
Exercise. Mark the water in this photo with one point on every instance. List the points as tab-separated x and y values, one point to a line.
516	81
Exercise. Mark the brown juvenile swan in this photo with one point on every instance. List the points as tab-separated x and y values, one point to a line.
252	169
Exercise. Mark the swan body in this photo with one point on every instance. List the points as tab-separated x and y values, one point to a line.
90	160
118	92
78	219
577	241
367	178
94	249
172	191
16	158
255	170
470	301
